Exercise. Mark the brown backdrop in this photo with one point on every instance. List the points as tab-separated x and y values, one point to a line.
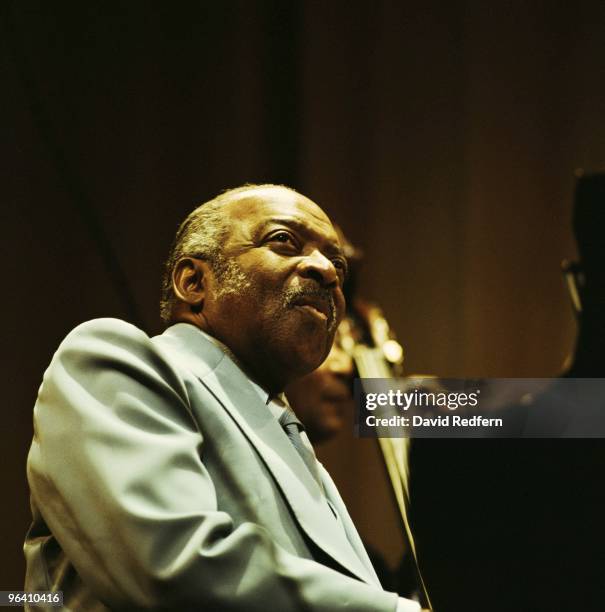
443	137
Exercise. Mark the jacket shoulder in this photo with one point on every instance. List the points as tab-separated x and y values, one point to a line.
112	347
107	328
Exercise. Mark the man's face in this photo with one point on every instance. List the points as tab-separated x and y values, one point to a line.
277	300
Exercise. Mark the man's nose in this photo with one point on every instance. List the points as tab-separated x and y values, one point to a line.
317	266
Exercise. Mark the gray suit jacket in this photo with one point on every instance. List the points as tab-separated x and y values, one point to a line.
160	480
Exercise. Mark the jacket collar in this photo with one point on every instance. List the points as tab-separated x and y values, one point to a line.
233	389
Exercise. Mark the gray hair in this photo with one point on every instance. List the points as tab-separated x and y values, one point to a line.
202	234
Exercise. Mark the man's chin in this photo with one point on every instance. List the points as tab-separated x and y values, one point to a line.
312	322
304	350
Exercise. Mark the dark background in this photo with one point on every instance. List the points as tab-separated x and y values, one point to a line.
442	136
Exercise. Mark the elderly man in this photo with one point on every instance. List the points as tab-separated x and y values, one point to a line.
168	472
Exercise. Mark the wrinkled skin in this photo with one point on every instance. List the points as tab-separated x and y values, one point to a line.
280	317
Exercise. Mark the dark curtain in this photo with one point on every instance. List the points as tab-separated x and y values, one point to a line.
442	136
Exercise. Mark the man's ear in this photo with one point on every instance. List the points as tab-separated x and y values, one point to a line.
189	279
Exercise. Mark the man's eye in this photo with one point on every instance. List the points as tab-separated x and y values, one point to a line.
283	237
340	265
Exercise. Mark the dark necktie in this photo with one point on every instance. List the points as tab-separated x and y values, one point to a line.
292	426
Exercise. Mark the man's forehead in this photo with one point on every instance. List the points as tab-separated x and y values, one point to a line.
259	206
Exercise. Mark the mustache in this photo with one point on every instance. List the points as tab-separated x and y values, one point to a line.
293	295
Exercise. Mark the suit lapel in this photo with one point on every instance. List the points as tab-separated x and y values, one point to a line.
333	496
232	389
